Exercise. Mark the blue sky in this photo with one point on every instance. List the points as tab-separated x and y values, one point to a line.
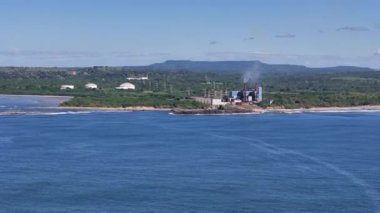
315	33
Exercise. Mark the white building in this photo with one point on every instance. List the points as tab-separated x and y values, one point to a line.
217	102
91	86
66	87
126	86
138	78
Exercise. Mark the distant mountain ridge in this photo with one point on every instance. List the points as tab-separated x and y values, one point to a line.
207	66
243	66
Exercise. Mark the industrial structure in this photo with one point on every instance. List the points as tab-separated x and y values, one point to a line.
138	78
246	95
126	86
91	86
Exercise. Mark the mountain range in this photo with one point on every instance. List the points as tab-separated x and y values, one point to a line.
243	66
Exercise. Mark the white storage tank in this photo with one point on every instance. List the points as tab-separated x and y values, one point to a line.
126	86
91	86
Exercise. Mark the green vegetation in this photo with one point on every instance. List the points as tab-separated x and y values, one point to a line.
291	89
129	99
324	89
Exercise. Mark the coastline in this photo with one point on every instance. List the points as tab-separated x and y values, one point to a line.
253	110
81	110
257	110
369	108
135	108
326	109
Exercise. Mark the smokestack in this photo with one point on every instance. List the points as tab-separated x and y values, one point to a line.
245	98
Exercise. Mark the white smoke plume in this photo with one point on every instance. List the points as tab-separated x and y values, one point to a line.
252	75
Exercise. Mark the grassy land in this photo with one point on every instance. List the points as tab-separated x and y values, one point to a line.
129	99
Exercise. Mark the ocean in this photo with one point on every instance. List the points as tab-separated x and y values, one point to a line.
158	162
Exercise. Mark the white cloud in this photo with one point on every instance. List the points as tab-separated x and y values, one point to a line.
354	29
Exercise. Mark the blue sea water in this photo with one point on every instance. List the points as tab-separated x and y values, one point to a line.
157	162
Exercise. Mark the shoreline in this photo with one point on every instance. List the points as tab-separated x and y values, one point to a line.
81	110
369	108
253	110
135	108
257	110
327	109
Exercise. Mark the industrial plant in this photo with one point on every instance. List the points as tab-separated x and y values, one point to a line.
216	94
246	95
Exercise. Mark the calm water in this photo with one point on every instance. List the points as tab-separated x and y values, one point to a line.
156	162
30	104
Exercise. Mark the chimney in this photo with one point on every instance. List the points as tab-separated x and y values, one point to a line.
245	98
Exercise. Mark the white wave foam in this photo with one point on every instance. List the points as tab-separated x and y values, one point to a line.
68	113
223	114
82	112
294	112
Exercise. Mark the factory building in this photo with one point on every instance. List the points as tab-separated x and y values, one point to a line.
234	94
91	86
217	102
137	78
246	95
259	95
126	86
